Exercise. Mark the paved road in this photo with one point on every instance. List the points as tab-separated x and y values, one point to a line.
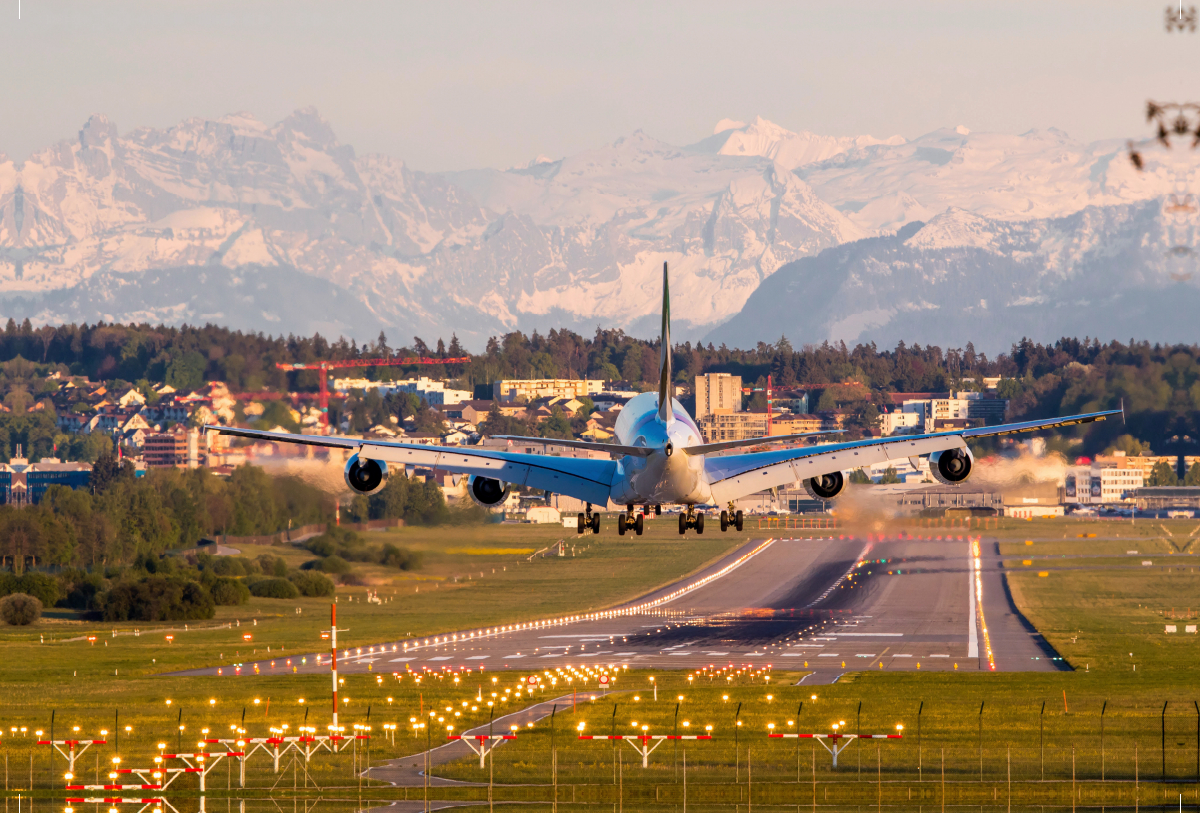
792	602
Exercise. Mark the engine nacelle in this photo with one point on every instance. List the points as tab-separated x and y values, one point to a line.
952	466
486	491
825	487
365	476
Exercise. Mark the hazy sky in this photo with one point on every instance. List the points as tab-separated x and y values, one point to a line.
448	85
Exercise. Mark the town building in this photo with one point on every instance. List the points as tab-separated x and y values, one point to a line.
1092	485
179	448
718	393
530	389
24	483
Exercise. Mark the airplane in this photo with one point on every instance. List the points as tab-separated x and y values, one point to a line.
661	458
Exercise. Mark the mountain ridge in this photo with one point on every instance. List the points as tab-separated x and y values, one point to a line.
568	242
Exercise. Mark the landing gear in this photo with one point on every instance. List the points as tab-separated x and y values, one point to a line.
657	510
627	521
588	520
731	517
690	519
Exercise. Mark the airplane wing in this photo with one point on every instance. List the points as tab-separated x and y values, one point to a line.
734	476
584	479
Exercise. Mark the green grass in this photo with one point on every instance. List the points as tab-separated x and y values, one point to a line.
1094	617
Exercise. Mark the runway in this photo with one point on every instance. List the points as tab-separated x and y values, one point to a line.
826	604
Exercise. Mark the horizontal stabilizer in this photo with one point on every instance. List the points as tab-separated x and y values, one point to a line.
607	448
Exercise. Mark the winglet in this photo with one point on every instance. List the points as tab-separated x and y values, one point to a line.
1122	412
666	414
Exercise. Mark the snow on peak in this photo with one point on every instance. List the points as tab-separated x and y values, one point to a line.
769	140
961	130
728	124
955	228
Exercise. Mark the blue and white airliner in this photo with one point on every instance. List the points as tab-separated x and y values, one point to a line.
660	457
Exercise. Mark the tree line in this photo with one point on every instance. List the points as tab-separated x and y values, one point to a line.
1159	385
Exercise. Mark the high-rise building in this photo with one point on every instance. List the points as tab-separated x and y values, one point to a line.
718	394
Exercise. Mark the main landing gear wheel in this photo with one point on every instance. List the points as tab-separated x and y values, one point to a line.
738	520
657	510
699	523
724	521
595	523
638	523
580	524
683	524
620	524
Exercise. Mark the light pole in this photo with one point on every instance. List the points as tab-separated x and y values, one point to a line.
333	631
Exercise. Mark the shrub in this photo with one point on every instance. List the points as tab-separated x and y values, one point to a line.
334	564
274	588
83	589
321	545
401	558
20	609
273	565
42	587
228	592
158	598
311	584
228	566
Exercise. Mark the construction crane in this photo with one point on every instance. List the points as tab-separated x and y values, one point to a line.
770	391
323	368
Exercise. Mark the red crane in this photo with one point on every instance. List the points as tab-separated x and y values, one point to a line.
770	391
325	366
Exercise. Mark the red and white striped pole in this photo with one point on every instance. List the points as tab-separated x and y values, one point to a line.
333	660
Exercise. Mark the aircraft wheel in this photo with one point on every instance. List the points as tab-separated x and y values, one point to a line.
738	520
595	523
699	523
682	523
638	523
724	521
580	524
657	510
620	524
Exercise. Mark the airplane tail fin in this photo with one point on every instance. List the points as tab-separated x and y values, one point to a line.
666	414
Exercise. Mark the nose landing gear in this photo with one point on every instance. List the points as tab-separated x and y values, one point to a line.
691	519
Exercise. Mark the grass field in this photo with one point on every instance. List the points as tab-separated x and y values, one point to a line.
1097	604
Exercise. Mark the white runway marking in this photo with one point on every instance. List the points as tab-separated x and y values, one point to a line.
972	631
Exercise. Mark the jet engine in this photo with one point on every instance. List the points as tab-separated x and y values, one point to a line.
486	491
826	486
365	476
952	466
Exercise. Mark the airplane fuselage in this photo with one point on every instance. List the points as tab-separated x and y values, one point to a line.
668	475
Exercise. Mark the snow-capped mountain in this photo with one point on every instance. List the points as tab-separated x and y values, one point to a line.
1104	272
282	228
